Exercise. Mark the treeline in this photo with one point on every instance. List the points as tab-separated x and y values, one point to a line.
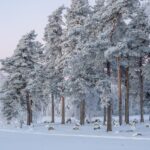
90	55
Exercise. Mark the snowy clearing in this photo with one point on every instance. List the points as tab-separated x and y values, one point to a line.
37	141
65	138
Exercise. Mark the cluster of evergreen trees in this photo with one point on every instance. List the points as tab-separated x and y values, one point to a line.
90	55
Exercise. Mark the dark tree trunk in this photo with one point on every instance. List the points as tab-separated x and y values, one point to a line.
105	116
108	69
141	91
119	91
29	109
109	117
109	108
127	96
82	112
53	113
63	110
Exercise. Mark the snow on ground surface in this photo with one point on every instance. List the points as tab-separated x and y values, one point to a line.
18	141
38	137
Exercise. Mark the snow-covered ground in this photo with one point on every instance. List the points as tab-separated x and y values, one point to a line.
32	141
63	137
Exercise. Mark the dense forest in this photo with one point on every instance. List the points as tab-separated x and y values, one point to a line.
95	61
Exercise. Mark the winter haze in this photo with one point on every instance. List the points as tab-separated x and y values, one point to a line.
20	16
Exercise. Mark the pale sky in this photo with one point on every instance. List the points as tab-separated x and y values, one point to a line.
18	17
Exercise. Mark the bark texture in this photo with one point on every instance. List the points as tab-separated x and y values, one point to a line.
141	91
109	108
63	110
53	107
82	112
127	96
29	109
105	116
119	91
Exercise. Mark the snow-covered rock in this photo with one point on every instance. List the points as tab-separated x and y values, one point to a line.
97	126
115	123
147	125
76	128
137	134
50	128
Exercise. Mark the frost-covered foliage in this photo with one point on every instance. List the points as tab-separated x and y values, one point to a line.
146	72
79	45
104	87
147	69
77	84
53	38
75	20
129	38
138	45
21	68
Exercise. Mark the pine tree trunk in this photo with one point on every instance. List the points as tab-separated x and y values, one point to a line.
109	108
109	117
53	113
119	92
63	110
105	116
82	112
29	109
141	91
28	113
127	97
